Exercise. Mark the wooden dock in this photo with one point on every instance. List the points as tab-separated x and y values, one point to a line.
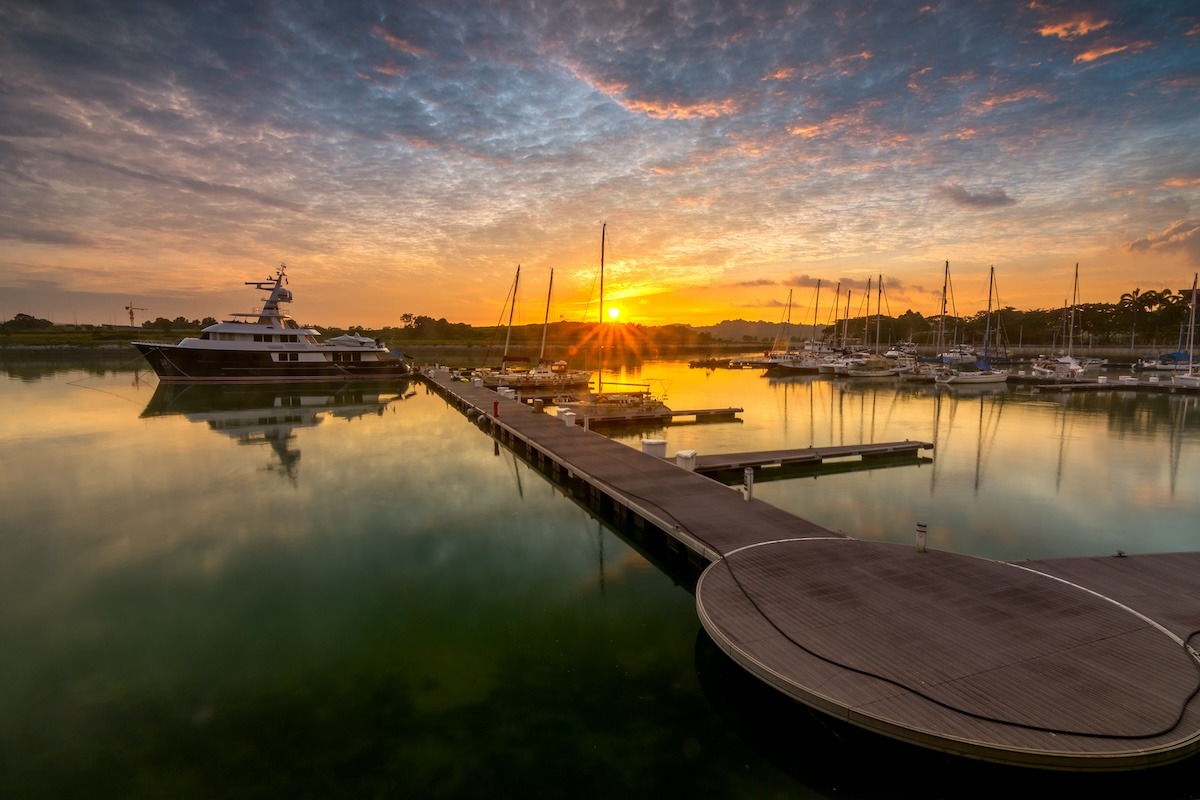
664	416
1078	664
808	455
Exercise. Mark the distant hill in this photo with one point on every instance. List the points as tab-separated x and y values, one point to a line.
759	332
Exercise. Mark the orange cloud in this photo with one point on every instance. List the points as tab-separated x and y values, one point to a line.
390	69
805	131
403	45
673	110
1074	28
1014	97
781	74
1101	51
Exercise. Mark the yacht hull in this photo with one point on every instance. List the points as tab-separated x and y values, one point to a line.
174	364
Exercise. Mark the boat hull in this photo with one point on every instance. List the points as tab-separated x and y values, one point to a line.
175	364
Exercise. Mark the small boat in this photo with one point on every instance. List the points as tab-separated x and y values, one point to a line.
613	404
1056	367
901	350
874	367
1167	362
959	354
971	374
268	346
547	376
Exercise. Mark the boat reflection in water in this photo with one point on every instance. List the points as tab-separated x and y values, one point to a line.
269	414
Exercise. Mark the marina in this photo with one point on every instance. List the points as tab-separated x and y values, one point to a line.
934	649
288	589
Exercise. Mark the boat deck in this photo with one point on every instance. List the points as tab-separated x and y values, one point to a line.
1078	664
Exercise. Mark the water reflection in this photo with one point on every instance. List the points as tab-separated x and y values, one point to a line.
270	414
426	615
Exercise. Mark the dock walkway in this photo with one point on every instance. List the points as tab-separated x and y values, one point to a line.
808	455
1080	664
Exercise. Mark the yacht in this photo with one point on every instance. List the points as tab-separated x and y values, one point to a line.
268	346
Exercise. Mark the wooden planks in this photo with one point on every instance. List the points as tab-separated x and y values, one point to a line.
807	455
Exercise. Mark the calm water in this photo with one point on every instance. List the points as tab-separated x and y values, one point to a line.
309	596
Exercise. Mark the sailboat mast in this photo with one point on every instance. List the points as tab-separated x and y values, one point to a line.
603	229
846	321
600	372
987	325
816	305
546	321
1074	302
942	327
878	316
511	307
867	317
1192	328
837	297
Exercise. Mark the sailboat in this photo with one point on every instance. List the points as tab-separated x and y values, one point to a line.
927	370
875	365
601	404
1192	376
548	377
1063	365
980	372
783	360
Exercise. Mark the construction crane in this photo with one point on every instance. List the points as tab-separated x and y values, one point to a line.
132	308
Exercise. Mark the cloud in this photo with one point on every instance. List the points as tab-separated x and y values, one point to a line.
44	236
1180	236
196	185
990	198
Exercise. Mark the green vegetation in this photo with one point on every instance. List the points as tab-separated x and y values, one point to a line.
1138	319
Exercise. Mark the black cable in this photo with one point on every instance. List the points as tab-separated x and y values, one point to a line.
916	691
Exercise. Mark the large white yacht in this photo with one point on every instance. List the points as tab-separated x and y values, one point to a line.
268	346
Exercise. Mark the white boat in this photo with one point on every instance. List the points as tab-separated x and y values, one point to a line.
875	367
613	404
901	349
959	354
970	374
268	346
1062	366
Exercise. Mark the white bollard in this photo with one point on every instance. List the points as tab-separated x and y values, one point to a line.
748	483
920	537
686	459
655	447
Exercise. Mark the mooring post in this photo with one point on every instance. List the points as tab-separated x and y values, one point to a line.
748	483
920	537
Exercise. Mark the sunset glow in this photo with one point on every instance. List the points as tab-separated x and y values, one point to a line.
403	158
614	312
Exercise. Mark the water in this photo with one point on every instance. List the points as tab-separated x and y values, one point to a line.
361	596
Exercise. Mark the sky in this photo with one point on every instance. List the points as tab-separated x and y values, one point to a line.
406	157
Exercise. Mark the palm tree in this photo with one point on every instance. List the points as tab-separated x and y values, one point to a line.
1131	302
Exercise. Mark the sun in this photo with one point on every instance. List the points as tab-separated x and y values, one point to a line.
614	312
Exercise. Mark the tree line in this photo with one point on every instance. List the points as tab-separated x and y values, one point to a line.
1139	319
